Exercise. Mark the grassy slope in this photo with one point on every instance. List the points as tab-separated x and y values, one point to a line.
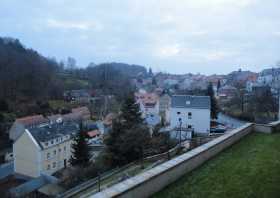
250	168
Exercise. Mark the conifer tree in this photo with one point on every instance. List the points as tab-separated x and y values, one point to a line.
214	104
130	113
129	135
80	149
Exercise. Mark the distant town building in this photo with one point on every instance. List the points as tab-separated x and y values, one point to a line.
45	149
149	105
191	113
227	92
81	96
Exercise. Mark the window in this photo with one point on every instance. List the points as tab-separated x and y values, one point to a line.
48	167
48	155
64	148
56	139
46	144
178	113
54	164
190	115
189	126
54	152
52	142
59	150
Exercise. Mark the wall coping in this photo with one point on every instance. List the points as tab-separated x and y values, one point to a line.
275	123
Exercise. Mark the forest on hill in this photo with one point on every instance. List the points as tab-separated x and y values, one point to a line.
28	79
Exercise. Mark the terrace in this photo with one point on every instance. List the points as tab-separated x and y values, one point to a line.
250	168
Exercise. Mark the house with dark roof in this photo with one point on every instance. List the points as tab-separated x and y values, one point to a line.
81	96
44	150
191	113
21	124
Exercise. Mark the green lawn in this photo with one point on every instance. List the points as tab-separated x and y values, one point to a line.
250	168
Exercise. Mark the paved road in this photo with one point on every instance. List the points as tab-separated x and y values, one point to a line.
229	121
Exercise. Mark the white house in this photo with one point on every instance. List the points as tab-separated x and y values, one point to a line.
44	149
191	113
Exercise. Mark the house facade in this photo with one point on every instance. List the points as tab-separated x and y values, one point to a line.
44	149
191	113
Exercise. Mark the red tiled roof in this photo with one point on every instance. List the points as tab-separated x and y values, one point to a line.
81	109
93	133
108	120
32	120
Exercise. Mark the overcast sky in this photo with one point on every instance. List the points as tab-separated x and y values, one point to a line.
177	36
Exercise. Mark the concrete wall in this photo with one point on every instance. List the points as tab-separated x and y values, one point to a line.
272	127
275	126
149	182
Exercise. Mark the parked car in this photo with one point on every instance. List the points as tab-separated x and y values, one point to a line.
218	129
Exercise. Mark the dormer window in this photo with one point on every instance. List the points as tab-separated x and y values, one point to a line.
52	142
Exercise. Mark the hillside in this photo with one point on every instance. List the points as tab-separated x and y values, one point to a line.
25	75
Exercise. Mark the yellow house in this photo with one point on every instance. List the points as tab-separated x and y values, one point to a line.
44	149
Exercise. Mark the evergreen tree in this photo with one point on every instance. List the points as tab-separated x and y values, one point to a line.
214	105
150	72
113	142
129	136
130	113
154	81
80	149
218	85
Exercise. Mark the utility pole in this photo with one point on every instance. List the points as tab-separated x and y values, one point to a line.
180	140
278	104
99	182
168	146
